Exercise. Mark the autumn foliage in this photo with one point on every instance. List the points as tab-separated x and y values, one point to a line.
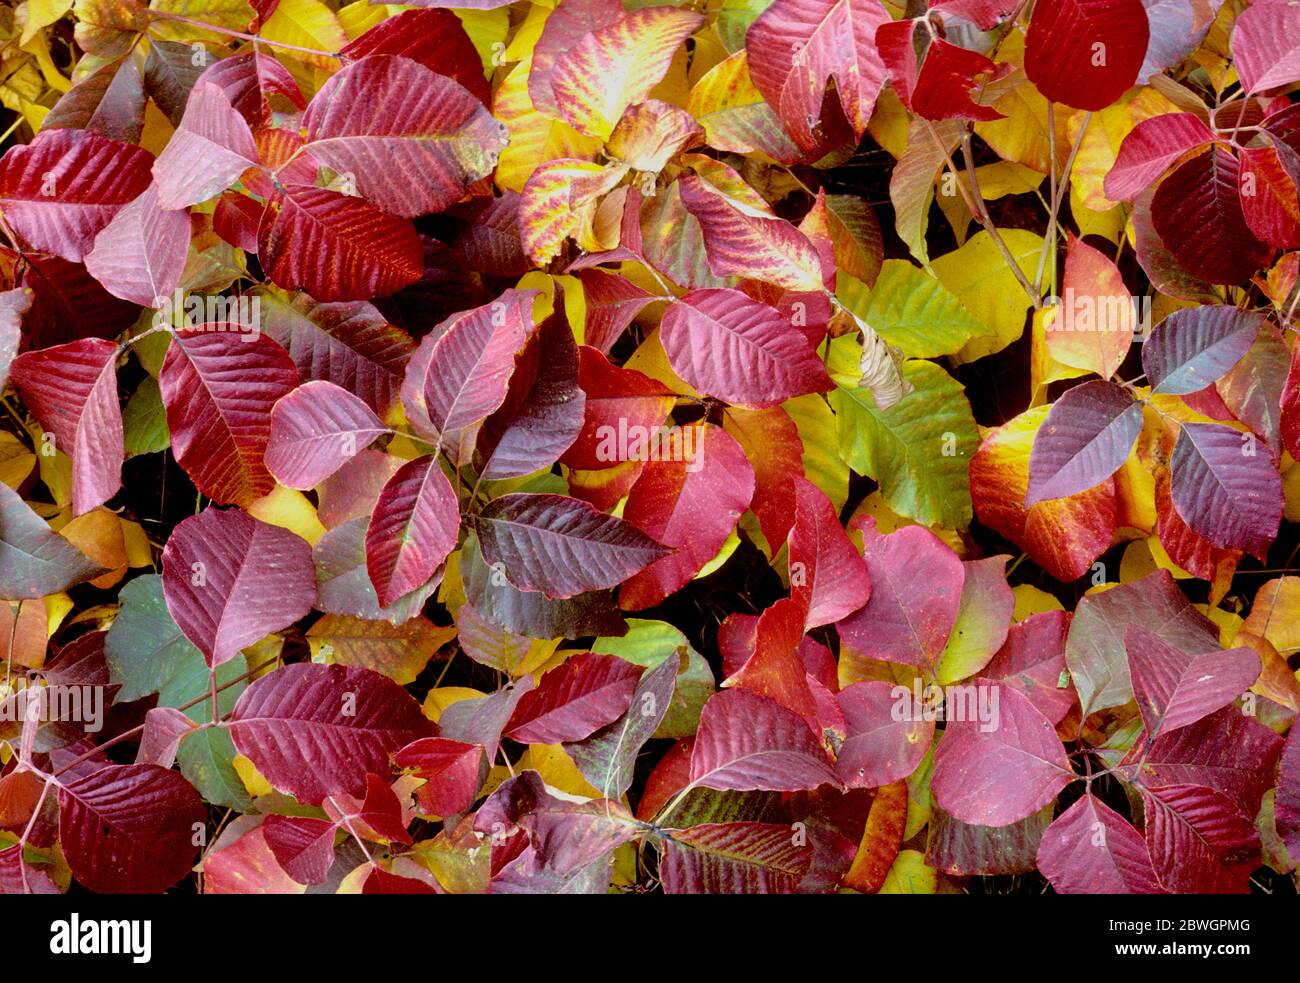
743	446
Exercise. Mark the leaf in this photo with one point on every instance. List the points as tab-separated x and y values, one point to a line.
964	849
916	587
399	651
303	846
609	68
1086	53
433	137
140	255
741	240
1264	48
881	838
412	530
938	86
1149	150
796	46
887	734
1095	651
1087	436
1032	660
450	770
618	401
1175	688
833	580
734	114
34	560
72	391
913	311
61	189
257	86
733	858
1269	198
691	506
336	247
213	136
1192	348
983	619
13	305
1093	329
434	38
1287	803
128	829
219	388
561	546
316	731
998	775
747	741
206	758
726	345
573	701
1200	842
1091	849
607	757
230	579
315	430
1201	195
904	446
1227	494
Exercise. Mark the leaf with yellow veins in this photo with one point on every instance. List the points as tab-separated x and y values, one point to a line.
560	201
535	138
306	24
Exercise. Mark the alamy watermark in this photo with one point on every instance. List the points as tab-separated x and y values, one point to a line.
55	702
633	442
241	315
972	702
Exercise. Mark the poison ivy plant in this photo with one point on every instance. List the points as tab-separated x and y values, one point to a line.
777	446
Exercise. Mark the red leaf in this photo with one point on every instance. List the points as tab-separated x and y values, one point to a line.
336	247
72	391
1200	841
561	546
1032	660
734	858
692	506
315	430
207	153
726	345
1290	427
574	700
256	85
612	303
315	731
413	140
1197	213
450	770
1092	849
1088	434
996	775
229	580
774	670
303	846
833	581
1086	53
61	189
1176	688
219	385
622	408
916	586
412	529
129	829
434	38
1269	198
888	734
140	255
770	439
747	741
1150	148
1266	45
940	87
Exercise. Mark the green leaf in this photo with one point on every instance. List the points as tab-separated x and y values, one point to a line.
647	643
144	421
910	309
207	758
918	449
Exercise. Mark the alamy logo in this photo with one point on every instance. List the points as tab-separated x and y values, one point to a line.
1076	311
198	312
638	443
98	937
76	704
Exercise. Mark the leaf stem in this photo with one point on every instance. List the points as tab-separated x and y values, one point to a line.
215	29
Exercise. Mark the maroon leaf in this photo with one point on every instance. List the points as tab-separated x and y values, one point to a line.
61	189
34	560
315	430
1197	213
832	579
888	734
129	829
450	770
996	772
161	739
1192	348
1200	841
734	858
612	304
315	731
109	101
1086	53
747	741
207	153
303	846
1032	660
72	391
1174	688
1287	803
1225	488
739	350
1088	434
413	528
256	85
219	385
140	255
434	137
574	700
434	38
561	546
916	586
229	580
1150	149
1091	849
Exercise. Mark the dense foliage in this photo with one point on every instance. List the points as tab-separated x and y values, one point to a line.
749	445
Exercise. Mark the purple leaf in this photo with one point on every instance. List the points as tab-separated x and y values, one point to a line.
1086	437
315	430
1175	688
1092	849
1191	348
1226	487
207	153
140	255
1200	841
412	530
733	858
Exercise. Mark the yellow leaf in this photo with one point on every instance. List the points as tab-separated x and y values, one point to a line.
1275	614
1031	600
57	607
251	777
306	24
910	875
138	551
439	699
41	14
557	770
16	461
987	288
398	651
535	139
360	16
98	534
487	29
290	510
